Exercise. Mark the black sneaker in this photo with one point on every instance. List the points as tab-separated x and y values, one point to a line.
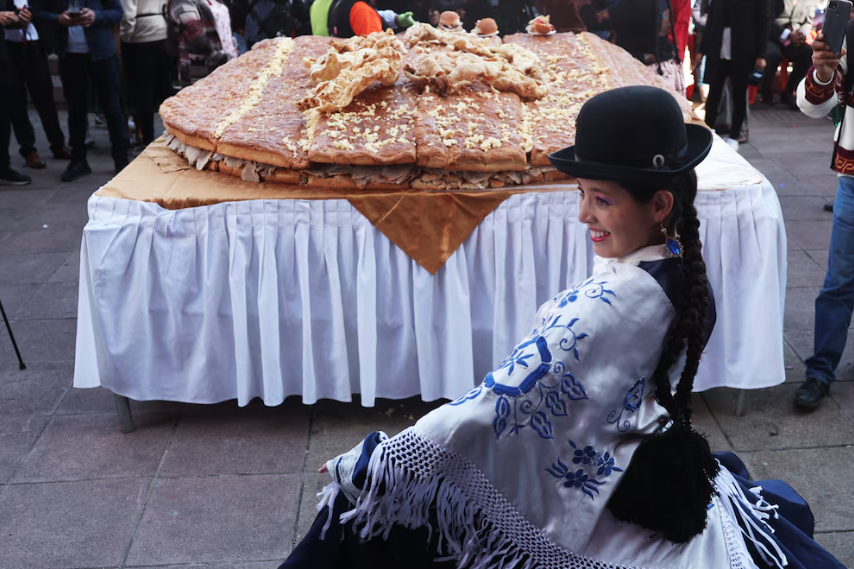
77	169
810	392
9	177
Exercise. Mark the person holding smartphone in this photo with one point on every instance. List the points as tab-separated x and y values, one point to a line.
789	28
84	42
8	176
817	96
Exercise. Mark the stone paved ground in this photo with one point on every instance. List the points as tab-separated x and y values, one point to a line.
222	487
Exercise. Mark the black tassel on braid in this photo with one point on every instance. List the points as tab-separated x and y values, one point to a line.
668	487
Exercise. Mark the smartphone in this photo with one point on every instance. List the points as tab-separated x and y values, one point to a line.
74	7
835	24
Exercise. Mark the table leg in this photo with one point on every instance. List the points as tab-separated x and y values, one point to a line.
123	410
739	404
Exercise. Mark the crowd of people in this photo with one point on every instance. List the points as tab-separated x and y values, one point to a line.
121	58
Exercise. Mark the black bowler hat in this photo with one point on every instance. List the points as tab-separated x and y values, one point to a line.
633	133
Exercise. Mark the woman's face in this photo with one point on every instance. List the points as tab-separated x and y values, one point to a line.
619	224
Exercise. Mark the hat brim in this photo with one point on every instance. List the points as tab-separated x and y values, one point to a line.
699	146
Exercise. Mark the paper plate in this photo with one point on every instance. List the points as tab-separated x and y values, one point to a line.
530	29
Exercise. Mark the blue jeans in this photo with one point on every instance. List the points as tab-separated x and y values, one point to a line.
835	302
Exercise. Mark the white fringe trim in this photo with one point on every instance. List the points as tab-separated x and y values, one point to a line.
478	528
745	513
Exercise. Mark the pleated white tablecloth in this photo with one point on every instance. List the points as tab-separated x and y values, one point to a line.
271	298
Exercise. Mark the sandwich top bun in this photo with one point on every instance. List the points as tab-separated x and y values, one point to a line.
486	26
540	25
450	20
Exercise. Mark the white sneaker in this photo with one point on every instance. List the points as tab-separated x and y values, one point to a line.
731	142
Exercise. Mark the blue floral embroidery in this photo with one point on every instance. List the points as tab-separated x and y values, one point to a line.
631	404
582	478
589	289
513	412
468	396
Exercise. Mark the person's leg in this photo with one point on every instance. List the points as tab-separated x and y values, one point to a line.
835	302
773	57
106	78
40	87
8	176
75	86
801	58
716	89
738	79
141	65
20	120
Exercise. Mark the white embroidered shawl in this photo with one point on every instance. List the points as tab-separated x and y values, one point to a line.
521	467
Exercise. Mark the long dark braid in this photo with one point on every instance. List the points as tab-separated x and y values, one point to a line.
667	486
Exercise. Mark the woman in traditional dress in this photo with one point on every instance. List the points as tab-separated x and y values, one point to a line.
578	451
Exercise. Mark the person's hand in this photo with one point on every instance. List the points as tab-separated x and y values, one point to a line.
8	19
405	20
760	63
797	38
25	17
824	60
66	20
86	18
322	469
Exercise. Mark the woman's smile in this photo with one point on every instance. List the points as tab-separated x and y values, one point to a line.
598	236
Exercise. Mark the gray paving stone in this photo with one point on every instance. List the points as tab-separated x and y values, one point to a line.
40	341
9	218
217	520
80	447
63	525
264	441
26	198
802	343
803	270
313	484
79	192
69	271
28	269
47	240
338	427
704	422
771	420
249	565
843	393
71	216
794	366
800	308
821	258
839	544
823	185
53	300
15	297
36	390
79	401
804	208
17	435
810	235
823	476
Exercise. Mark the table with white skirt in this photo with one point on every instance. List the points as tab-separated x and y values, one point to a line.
276	298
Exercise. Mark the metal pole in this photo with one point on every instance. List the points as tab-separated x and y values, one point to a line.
739	404
12	337
123	410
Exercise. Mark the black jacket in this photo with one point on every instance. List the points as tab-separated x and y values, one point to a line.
99	35
641	27
786	16
748	22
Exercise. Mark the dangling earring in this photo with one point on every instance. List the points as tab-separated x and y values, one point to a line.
674	246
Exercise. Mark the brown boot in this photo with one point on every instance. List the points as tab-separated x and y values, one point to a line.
63	153
33	160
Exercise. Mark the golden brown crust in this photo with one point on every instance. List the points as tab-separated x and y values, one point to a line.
376	129
476	130
284	176
189	139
